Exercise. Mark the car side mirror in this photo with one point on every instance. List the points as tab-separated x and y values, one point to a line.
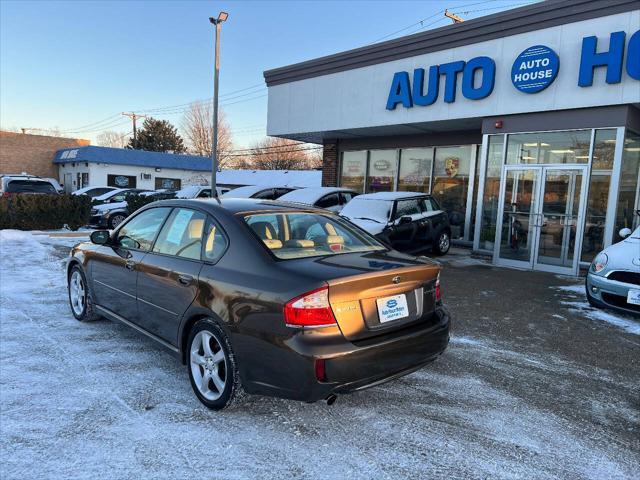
625	232
100	237
405	219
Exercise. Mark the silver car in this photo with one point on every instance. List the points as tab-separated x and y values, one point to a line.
613	280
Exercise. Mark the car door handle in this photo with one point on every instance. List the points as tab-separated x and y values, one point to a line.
129	264
185	279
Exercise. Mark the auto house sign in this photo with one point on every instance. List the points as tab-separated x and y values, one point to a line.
532	71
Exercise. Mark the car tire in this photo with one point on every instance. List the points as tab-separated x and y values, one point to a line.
442	244
212	366
80	296
116	220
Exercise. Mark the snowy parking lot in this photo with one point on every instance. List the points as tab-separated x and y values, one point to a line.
535	384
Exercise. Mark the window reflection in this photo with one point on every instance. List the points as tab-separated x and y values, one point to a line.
549	147
382	170
598	196
415	169
451	184
628	192
354	166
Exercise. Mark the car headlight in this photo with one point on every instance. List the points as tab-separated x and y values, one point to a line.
599	262
94	211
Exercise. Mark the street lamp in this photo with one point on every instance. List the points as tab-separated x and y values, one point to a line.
222	16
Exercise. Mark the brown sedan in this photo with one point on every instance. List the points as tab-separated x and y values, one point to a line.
263	297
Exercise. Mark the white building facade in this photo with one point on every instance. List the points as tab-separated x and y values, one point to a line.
524	125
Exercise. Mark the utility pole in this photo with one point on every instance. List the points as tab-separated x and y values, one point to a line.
134	117
453	16
222	16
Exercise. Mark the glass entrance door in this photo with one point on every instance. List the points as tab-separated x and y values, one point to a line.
540	214
559	219
519	216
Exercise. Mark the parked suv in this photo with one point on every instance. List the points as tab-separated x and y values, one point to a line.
111	208
26	184
408	221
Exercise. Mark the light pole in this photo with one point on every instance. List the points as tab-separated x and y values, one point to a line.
222	16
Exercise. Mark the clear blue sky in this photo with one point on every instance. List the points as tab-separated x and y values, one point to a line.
70	64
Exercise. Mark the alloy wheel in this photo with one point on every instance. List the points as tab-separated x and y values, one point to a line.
117	220
208	364
443	244
77	293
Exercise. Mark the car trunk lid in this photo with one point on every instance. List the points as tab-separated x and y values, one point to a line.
377	303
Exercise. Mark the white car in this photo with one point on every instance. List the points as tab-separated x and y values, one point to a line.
329	198
26	184
613	280
266	192
199	191
93	192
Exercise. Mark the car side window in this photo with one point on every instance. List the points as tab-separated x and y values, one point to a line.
141	230
328	201
215	242
407	208
265	194
427	206
118	198
182	234
205	193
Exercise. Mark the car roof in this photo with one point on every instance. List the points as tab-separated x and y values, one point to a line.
249	190
389	196
311	194
236	205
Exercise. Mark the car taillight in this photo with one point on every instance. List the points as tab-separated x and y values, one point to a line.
311	309
438	291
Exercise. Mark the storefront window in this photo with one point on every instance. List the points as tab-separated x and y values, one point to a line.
382	170
415	169
491	193
603	153
354	168
549	147
451	184
628	191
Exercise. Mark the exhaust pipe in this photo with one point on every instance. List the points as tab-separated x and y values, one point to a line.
331	399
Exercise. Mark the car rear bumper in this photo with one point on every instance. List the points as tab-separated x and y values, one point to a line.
348	366
98	221
611	294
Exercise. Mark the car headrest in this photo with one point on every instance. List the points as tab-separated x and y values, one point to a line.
272	244
299	243
195	228
335	239
264	230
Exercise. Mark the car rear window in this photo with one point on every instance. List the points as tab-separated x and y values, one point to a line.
30	186
304	234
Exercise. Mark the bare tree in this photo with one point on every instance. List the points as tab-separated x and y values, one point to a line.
275	153
197	124
112	139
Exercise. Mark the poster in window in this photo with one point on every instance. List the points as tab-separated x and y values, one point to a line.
121	181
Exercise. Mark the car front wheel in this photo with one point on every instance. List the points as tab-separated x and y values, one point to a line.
116	220
212	365
442	244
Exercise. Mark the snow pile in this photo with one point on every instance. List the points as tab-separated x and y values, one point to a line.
578	304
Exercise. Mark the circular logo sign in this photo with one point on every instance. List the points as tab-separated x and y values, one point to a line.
535	69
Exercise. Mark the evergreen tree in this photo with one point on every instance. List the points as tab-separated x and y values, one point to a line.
158	136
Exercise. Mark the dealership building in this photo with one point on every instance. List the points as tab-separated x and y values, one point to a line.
524	125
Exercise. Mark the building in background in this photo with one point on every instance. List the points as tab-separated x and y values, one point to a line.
123	168
525	125
32	154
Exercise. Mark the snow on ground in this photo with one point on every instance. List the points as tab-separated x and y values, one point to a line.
98	401
578	303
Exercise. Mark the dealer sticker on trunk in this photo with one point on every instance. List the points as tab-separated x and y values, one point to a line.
392	308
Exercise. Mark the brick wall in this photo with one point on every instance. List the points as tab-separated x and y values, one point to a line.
330	165
33	154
